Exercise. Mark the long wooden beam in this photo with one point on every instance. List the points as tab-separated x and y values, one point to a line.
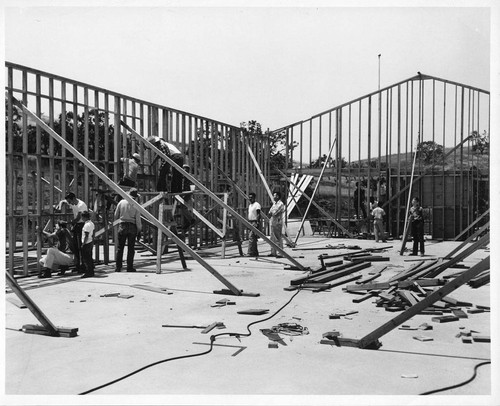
405	232
262	177
468	240
454	284
472	224
202	218
127	197
202	187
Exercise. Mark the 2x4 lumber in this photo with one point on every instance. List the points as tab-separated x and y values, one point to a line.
404	274
370	258
366	296
468	240
425	270
127	197
369	278
338	282
480	281
212	195
338	274
31	305
302	279
472	224
407	297
423	304
202	218
401	284
484	240
259	171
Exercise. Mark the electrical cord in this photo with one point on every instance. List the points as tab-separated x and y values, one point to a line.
212	340
458	384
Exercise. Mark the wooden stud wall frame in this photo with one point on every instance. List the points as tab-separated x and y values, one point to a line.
374	135
377	135
60	102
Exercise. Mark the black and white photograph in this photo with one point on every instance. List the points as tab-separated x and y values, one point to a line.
250	203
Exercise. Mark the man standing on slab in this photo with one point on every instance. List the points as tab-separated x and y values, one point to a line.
129	228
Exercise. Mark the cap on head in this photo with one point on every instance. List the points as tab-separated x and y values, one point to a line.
136	156
186	165
70	196
133	192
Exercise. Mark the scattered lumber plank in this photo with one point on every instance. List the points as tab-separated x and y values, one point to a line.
338	274
372	337
481	339
339	282
371	258
407	297
305	278
366	296
444	319
402	284
480	281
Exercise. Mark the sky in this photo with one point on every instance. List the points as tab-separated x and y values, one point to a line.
276	65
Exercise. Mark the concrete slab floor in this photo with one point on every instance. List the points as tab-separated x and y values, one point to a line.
119	337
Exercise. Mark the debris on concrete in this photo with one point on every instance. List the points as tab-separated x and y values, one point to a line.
255	312
110	294
423	338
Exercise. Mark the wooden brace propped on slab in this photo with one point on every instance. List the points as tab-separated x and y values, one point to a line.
47	328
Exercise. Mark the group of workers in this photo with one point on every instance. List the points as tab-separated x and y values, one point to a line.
70	247
377	214
75	246
276	224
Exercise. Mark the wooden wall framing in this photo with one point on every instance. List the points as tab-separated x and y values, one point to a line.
377	135
39	172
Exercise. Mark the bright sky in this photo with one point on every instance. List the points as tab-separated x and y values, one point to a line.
276	65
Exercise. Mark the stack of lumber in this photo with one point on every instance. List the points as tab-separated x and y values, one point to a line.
326	277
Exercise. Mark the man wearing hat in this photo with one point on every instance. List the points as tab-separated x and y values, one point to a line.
129	228
131	167
173	153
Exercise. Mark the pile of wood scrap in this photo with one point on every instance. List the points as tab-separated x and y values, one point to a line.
323	279
339	271
418	296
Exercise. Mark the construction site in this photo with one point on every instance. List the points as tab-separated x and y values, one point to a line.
333	313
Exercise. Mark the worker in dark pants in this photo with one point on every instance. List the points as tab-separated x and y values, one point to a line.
78	207
129	228
416	218
87	245
173	153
